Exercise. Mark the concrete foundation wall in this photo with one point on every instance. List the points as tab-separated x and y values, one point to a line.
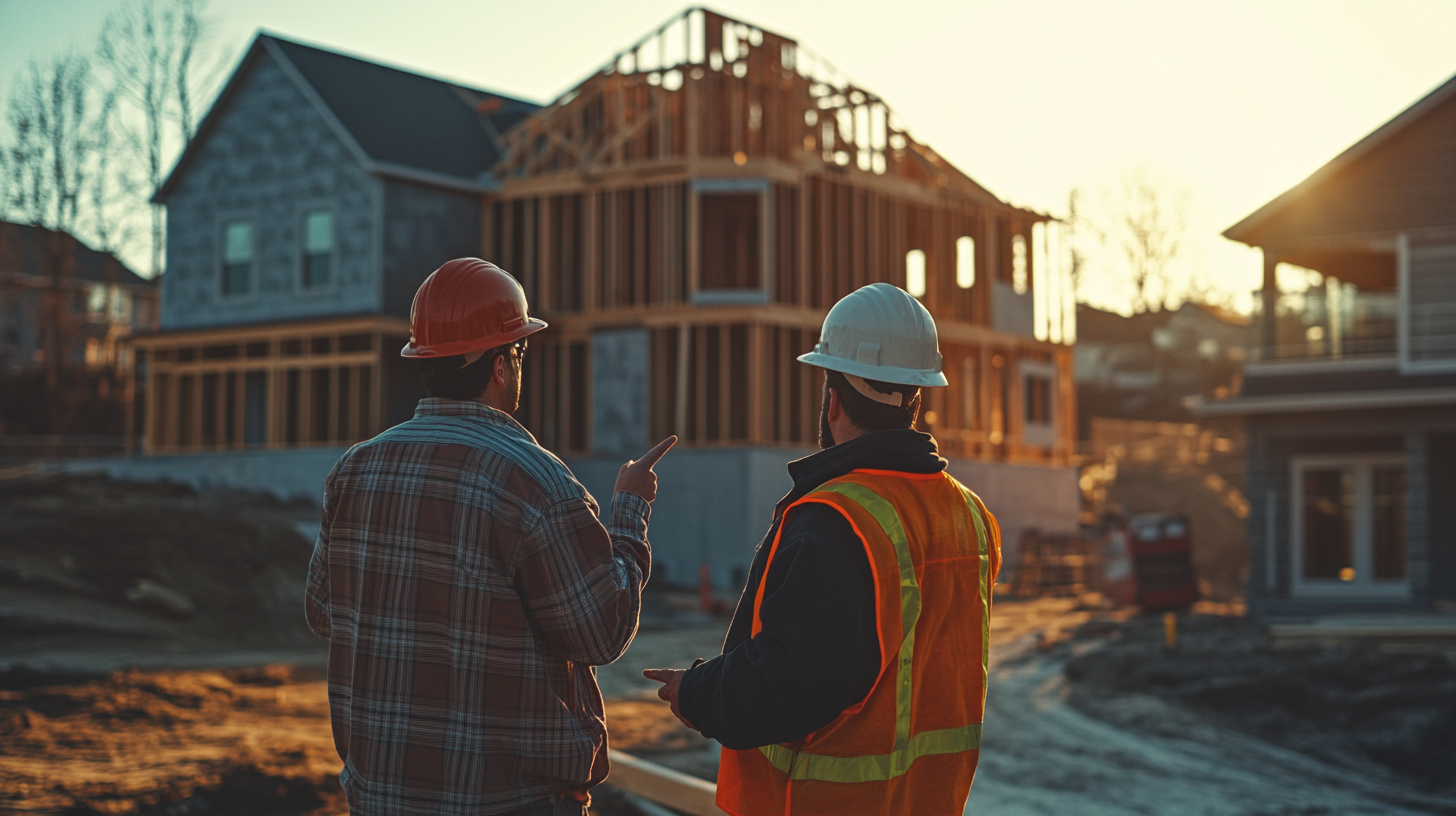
713	506
298	473
1023	497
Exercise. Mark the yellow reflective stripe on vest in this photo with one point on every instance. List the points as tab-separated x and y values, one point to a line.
888	518
983	540
880	767
877	768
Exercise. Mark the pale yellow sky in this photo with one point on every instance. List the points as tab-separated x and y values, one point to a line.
1236	100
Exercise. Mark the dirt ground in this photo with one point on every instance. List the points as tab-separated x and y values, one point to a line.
153	660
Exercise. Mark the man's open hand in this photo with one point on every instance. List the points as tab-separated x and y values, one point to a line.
671	680
637	477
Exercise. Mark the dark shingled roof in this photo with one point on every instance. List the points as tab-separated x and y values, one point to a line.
400	120
406	118
23	249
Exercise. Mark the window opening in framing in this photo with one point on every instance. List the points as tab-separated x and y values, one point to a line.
1020	279
915	272
965	262
730	254
1038	399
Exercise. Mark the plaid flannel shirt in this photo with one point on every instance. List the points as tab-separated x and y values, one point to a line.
467	587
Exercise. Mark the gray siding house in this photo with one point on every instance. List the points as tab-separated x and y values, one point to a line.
1350	391
318	193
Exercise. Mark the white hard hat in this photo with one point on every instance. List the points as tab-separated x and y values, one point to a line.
880	332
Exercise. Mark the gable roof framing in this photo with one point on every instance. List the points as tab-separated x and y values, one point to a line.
706	86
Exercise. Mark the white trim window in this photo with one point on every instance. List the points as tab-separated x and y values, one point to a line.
237	258
1349	526
318	249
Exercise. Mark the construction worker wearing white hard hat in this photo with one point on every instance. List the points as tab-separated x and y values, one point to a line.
853	676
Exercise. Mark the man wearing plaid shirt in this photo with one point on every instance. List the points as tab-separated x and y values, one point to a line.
467	585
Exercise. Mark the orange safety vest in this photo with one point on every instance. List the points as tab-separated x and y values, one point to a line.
912	744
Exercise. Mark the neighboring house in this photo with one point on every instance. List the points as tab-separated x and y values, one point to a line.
684	220
62	298
318	193
1350	390
1146	366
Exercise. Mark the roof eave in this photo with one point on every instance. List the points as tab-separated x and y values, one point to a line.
1241	231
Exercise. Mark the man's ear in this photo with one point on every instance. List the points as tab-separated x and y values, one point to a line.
499	373
836	408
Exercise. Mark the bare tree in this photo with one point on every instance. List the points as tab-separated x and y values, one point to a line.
193	30
1076	229
139	50
157	57
1144	221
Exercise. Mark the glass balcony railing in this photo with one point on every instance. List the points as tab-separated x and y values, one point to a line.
1333	322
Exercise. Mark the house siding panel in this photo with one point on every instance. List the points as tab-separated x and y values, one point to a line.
425	227
271	157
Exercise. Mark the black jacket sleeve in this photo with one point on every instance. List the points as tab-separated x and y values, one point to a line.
818	653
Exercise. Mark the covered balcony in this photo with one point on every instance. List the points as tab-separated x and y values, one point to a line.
1335	321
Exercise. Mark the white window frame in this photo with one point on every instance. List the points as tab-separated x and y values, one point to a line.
301	285
1364	586
220	276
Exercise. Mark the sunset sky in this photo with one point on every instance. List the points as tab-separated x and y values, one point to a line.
1237	101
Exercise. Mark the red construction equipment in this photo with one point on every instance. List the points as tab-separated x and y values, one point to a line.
1149	562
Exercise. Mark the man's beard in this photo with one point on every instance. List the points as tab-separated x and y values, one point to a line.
826	436
515	391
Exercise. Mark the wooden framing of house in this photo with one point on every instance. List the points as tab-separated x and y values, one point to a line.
720	187
322	382
717	187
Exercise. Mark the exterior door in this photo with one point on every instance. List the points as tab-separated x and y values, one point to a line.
1349	520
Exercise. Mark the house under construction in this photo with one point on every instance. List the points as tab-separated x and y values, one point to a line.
683	218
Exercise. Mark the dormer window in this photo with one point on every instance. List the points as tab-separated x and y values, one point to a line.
237	258
318	249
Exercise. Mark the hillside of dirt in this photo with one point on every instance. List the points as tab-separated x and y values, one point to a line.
97	574
1383	709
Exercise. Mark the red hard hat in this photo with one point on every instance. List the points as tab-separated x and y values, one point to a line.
465	306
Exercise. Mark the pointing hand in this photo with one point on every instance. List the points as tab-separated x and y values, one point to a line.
672	681
636	476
